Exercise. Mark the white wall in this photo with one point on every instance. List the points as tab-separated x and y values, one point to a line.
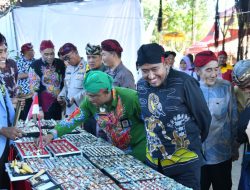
80	23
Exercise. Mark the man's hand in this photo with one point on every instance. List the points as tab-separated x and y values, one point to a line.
72	101
61	100
45	139
12	133
22	102
235	151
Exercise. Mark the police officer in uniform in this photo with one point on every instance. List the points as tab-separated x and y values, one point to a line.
72	92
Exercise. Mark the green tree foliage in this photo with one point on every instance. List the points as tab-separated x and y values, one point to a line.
177	17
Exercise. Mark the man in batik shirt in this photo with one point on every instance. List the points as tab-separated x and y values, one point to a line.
46	78
176	117
23	66
9	73
116	111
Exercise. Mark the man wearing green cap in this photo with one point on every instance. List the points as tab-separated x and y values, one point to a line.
116	110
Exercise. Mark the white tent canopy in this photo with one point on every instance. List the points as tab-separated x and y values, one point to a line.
78	23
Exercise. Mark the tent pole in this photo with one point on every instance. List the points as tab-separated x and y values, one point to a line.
14	27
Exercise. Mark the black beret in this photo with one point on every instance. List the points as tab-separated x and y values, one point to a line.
149	53
167	53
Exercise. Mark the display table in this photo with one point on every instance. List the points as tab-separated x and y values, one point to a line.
82	161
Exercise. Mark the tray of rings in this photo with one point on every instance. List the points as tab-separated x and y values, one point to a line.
31	150
45	124
33	132
115	161
75	161
86	139
154	184
98	151
137	173
61	147
80	178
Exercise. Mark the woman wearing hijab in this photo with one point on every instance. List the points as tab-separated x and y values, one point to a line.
186	67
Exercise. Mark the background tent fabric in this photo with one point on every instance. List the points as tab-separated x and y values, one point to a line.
81	23
7	29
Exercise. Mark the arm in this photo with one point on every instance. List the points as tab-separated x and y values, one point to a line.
23	75
198	107
11	132
34	80
79	116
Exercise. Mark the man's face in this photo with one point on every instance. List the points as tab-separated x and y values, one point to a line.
222	60
209	73
170	60
3	52
94	61
29	54
71	58
48	55
3	55
107	58
155	74
99	98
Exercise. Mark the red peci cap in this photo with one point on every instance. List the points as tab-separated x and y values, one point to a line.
222	53
203	58
111	45
26	47
46	44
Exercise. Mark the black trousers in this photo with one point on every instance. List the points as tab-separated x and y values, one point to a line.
217	175
4	178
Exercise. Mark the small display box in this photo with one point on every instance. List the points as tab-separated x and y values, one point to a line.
30	150
62	147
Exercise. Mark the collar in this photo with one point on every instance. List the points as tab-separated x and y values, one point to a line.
108	107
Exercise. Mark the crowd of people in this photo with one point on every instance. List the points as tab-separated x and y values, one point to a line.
183	122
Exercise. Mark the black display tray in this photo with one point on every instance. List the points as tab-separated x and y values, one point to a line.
43	180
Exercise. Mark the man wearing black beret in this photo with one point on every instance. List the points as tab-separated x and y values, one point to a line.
176	117
169	57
